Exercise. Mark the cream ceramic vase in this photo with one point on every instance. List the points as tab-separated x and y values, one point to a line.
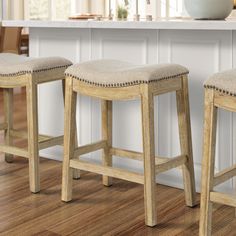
209	9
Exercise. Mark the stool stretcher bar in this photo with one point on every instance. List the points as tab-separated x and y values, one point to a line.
225	175
90	148
170	163
109	171
222	198
14	151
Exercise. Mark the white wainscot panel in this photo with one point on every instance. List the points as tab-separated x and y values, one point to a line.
203	53
75	46
135	46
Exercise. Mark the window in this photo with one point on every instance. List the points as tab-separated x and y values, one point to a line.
61	9
49	9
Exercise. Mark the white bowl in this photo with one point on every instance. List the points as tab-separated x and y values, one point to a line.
209	9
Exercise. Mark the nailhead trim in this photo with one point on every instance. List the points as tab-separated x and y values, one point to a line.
125	84
33	71
220	90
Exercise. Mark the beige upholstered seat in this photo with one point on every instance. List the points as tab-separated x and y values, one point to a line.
114	73
20	71
224	82
14	65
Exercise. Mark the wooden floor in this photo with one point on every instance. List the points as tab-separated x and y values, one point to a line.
95	210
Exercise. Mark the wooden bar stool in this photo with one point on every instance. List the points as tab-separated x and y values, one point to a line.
220	92
19	71
116	80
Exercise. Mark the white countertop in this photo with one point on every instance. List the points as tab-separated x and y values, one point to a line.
229	24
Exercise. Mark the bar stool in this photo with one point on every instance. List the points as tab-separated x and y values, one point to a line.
220	92
116	80
19	71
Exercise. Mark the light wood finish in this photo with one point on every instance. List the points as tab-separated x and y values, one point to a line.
90	148
208	163
8	116
109	171
14	151
35	141
76	172
213	101
32	118
126	153
224	175
106	107
149	156
69	140
152	165
170	163
185	135
223	198
225	101
95	210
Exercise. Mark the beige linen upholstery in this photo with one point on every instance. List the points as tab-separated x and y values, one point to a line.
224	82
114	73
12	65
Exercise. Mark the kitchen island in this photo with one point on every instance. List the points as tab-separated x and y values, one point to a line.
205	47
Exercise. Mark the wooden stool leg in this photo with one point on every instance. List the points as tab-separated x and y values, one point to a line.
208	163
69	140
149	156
186	142
8	116
107	135
76	172
32	118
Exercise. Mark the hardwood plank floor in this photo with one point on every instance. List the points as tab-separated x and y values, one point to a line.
96	210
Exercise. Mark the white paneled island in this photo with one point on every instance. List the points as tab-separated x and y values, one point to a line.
205	47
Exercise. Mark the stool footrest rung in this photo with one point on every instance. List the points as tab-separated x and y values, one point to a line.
108	171
14	150
51	141
3	126
223	198
164	164
225	175
126	153
90	148
45	141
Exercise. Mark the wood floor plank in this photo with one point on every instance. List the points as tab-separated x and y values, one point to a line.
96	210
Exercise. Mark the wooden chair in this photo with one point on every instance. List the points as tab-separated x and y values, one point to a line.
19	71
220	92
10	40
115	80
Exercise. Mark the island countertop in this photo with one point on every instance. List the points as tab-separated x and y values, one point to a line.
182	23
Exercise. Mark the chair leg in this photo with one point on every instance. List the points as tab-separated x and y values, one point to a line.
69	140
8	116
186	142
208	163
107	135
32	118
149	156
76	172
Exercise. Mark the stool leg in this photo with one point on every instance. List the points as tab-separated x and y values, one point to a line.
69	140
76	173
149	156
107	135
186	142
8	116
208	163
32	118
